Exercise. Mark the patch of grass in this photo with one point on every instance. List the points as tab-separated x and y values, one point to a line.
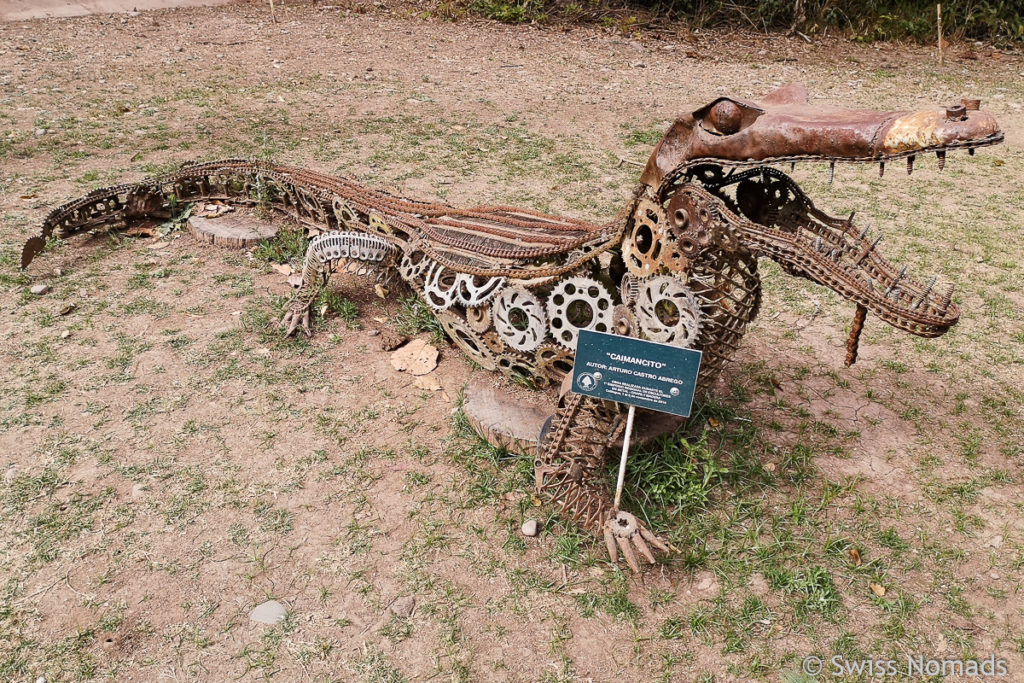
288	246
414	316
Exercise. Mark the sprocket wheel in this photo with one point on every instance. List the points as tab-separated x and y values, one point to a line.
667	311
467	340
578	303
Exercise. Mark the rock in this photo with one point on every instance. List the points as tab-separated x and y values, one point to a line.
295	280
58	272
417	358
270	612
389	340
40	290
40	131
65	334
706	582
404	606
530	528
758	584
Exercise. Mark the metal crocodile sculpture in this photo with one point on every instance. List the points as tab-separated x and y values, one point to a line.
512	288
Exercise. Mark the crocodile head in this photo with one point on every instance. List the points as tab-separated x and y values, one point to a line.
725	151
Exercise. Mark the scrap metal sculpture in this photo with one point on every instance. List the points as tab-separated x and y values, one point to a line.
513	288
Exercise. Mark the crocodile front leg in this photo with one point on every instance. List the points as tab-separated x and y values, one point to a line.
326	253
571	454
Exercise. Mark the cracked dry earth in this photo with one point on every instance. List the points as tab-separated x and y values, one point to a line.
168	463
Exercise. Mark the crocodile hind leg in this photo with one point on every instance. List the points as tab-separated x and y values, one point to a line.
328	252
572	453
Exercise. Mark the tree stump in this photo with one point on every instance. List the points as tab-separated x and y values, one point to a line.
233	230
511	420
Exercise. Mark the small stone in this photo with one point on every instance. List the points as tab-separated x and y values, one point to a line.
372	333
640	65
65	334
40	290
41	679
179	48
10	475
530	527
58	272
40	131
404	606
993	575
706	582
270	612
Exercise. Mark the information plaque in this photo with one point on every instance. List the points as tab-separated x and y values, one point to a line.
642	373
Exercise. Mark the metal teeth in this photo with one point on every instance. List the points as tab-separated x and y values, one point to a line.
894	287
942	159
924	295
910	164
947	299
881	169
831	172
792	164
869	249
970	150
864	232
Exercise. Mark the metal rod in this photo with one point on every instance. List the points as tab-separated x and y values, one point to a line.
625	455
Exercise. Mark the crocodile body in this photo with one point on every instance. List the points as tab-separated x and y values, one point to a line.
512	288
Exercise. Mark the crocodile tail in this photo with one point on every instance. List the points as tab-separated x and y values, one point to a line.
106	207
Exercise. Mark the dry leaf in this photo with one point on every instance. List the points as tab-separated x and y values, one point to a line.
535	499
769	467
715	424
381	290
283	268
417	358
67	309
878	589
139	231
427	383
159	245
29	196
323	310
855	557
295	280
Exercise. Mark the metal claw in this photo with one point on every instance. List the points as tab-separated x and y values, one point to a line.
638	541
831	171
627	552
609	541
864	232
881	169
653	540
910	164
942	159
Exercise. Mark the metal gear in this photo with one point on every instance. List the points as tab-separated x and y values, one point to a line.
479	318
578	303
413	265
439	287
553	362
467	340
520	319
641	249
622	321
473	290
668	311
520	368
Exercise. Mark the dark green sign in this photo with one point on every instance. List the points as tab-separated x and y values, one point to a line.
642	373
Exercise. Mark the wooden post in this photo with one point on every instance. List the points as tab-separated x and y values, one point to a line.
942	56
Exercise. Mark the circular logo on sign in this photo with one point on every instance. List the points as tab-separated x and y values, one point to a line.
586	381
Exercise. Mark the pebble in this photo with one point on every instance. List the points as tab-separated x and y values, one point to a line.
270	612
530	527
404	606
39	290
40	131
65	334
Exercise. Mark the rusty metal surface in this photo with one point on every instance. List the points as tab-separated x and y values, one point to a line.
512	288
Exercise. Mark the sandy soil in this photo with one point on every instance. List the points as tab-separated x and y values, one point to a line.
168	464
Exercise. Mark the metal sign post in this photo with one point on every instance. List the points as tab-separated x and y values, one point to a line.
641	373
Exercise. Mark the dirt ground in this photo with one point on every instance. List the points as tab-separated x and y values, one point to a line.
169	463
